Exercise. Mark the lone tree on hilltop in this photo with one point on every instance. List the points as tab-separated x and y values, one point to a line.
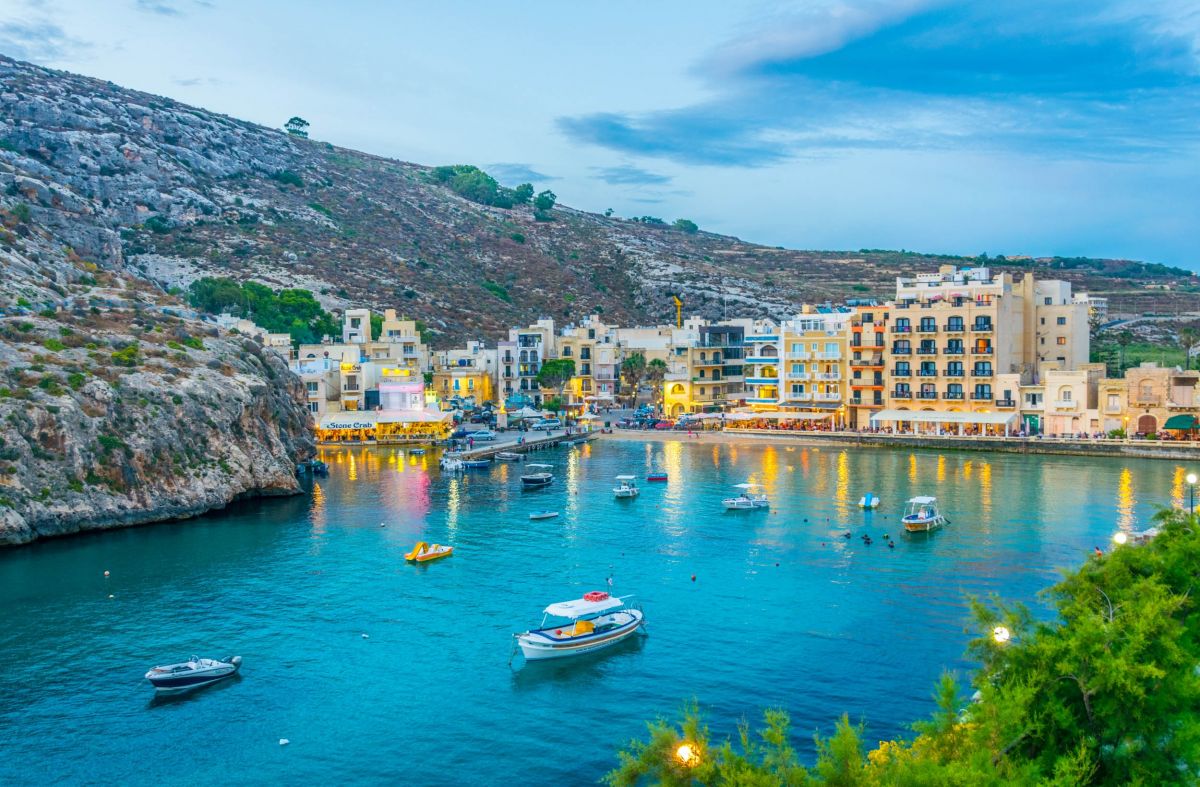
523	194
297	127
543	203
686	225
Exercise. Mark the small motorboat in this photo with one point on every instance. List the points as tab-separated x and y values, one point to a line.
587	624
746	501
193	673
543	514
509	456
921	515
538	475
869	501
423	553
314	466
451	462
656	476
476	464
625	487
417	452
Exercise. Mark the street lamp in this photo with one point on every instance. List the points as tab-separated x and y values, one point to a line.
1001	634
687	755
1120	537
1191	480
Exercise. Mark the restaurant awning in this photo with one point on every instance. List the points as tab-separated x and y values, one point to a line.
931	417
1182	421
350	419
413	416
777	415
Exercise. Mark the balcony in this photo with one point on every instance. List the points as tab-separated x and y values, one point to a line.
763	337
1005	403
981	396
901	351
875	361
982	327
827	397
927	329
927	373
981	351
761	400
927	351
953	395
762	359
954	350
951	327
798	376
1064	404
901	329
901	394
750	380
834	356
800	356
982	373
799	397
953	373
901	372
927	394
828	376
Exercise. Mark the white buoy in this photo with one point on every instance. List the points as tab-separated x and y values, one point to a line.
284	741
366	636
110	595
105	573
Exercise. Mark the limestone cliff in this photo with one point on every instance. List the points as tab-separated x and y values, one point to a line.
117	409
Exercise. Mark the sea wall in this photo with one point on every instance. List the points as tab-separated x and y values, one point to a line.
1145	449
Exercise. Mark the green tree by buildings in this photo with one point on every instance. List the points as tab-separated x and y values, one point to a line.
295	312
555	374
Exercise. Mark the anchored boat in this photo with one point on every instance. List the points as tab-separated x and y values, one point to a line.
921	515
588	624
625	487
538	475
193	673
745	501
509	456
423	552
476	464
451	461
868	501
656	475
543	514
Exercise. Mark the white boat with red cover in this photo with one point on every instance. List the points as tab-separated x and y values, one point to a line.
584	625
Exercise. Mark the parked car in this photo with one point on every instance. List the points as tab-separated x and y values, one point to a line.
458	434
546	424
483	435
664	425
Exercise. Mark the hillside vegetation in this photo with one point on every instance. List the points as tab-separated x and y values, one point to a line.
171	193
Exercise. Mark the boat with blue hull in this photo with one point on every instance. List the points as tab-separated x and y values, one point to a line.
594	622
193	673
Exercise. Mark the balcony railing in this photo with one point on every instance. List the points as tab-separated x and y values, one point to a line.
927	351
829	376
927	373
762	359
873	361
800	397
901	394
981	396
982	373
927	329
901	351
952	350
799	376
981	351
827	397
902	373
951	327
1005	403
926	394
1065	404
953	373
954	395
982	327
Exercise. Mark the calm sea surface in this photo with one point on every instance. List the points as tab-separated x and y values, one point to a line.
783	611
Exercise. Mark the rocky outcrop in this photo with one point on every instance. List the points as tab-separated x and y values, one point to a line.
125	412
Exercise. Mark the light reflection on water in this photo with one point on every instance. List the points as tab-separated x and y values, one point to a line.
293	584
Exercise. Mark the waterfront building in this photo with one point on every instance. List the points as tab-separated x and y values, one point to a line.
593	347
1155	394
378	403
801	365
951	333
468	374
705	366
534	345
868	326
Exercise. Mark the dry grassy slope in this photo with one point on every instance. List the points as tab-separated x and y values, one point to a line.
170	192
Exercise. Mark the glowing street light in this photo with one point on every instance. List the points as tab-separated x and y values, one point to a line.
1120	537
1191	480
1001	634
687	755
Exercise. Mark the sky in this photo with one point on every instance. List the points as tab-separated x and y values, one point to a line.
1039	127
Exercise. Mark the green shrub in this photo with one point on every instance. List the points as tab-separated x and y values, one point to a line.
174	345
76	380
496	289
194	342
157	225
108	443
127	356
54	345
288	178
75	485
20	212
518	237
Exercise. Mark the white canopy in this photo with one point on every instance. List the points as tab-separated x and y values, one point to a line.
426	416
579	607
923	501
931	417
525	412
626	477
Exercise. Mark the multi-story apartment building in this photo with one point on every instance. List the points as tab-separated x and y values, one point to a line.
466	373
705	368
951	333
868	329
801	365
533	345
593	347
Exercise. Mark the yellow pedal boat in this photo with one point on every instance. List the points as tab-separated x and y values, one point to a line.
423	552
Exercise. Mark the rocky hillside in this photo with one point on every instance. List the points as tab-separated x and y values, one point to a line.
142	184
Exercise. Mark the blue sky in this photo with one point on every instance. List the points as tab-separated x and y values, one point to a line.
1013	127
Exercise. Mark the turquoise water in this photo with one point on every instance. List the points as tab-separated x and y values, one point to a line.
782	612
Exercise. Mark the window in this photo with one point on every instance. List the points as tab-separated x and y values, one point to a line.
797	347
1114	402
1062	320
1043	321
1049	301
903	368
831	349
797	368
312	387
1065	395
797	388
314	407
1061	341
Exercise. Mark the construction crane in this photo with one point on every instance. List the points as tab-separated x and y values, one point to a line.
678	311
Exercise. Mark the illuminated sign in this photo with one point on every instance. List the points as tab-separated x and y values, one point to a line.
350	425
389	371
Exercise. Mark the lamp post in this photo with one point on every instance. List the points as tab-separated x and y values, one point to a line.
686	755
1001	635
1191	480
1120	537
